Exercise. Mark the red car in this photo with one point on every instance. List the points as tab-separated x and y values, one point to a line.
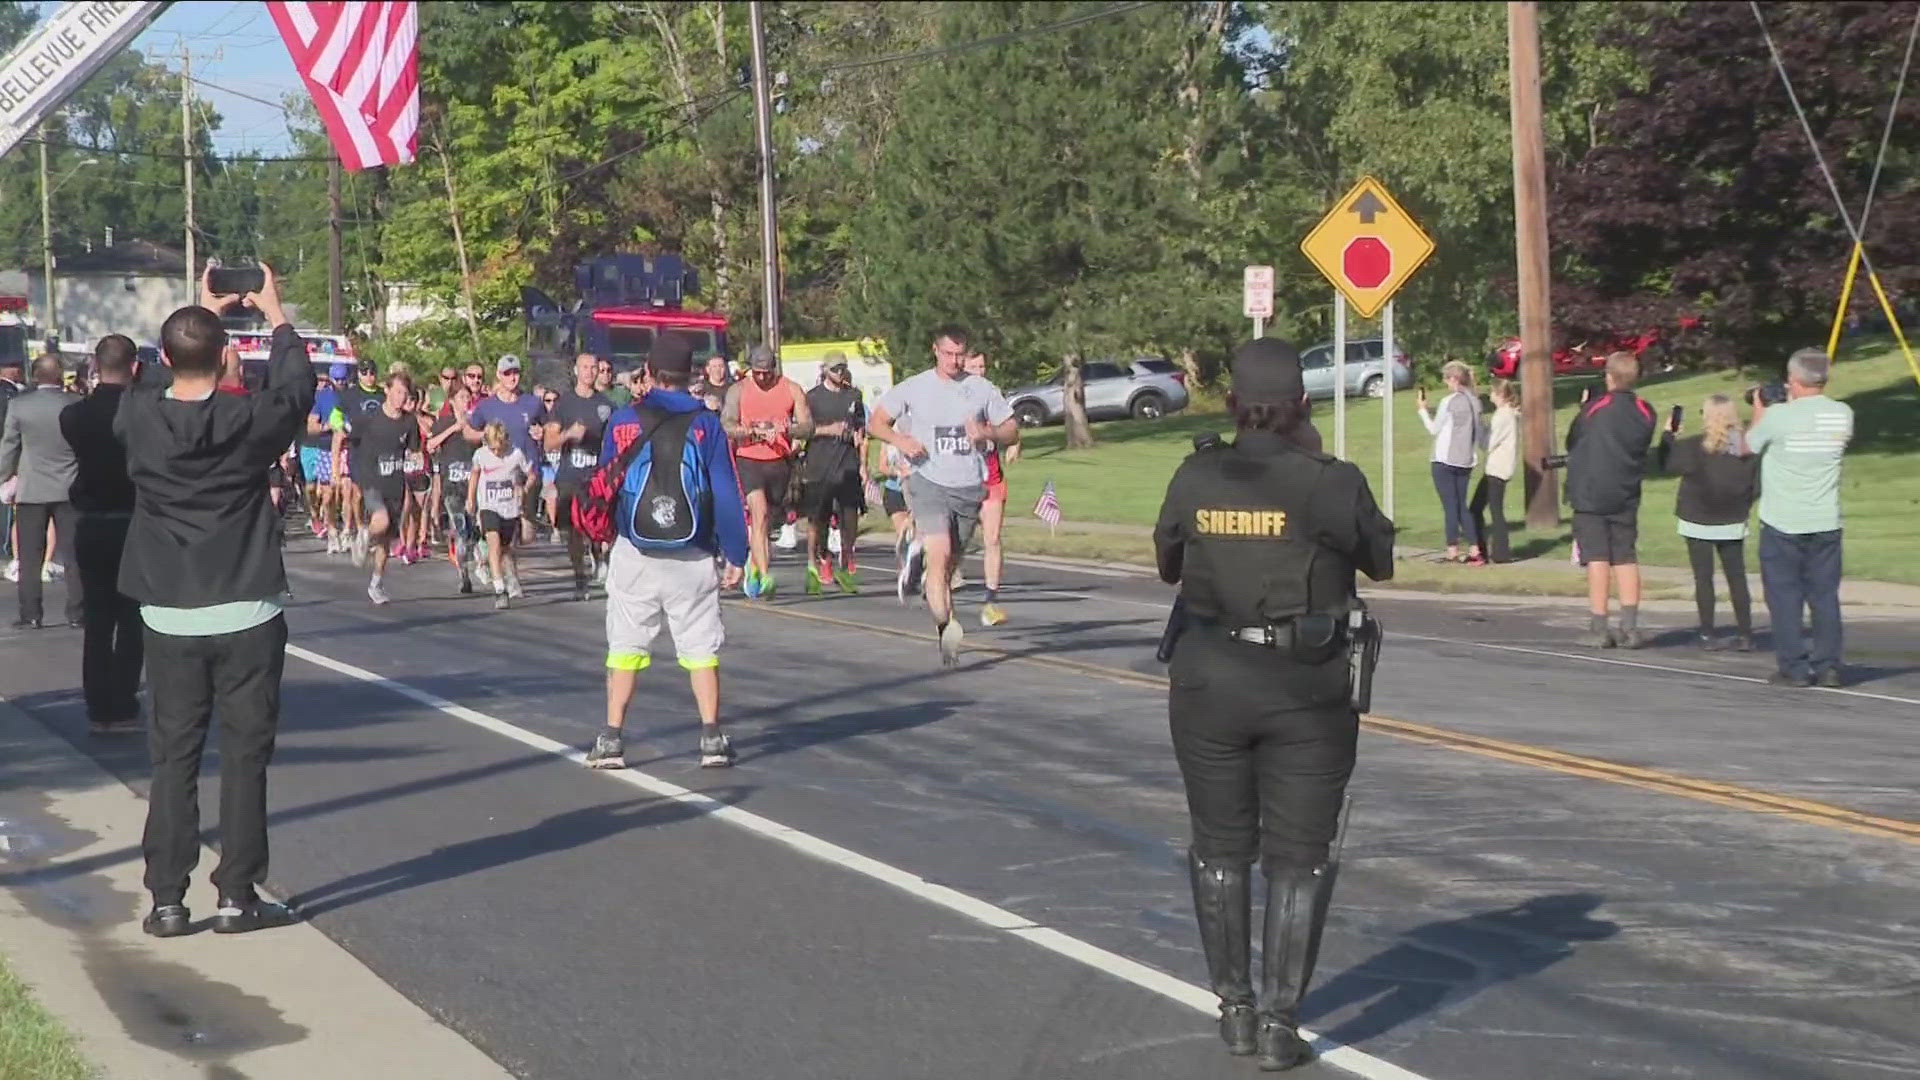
1586	356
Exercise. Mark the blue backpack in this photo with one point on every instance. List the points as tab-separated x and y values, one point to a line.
668	507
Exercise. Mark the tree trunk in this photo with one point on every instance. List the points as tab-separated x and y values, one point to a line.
1190	363
1079	432
718	202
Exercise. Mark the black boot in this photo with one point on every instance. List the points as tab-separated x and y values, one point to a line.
1297	898
1223	903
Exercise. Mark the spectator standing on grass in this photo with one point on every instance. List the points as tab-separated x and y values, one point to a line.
1457	436
1718	479
1801	442
1606	463
1503	460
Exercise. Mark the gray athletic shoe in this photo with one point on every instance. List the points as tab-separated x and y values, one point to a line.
950	636
716	750
608	752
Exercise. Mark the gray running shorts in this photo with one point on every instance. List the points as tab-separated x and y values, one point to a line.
937	509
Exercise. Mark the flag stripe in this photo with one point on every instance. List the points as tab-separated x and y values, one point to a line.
360	62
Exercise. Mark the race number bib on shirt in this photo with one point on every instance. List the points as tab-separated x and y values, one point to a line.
583	459
416	461
458	471
388	464
952	441
553	458
500	491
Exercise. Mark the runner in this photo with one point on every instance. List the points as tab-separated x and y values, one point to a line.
452	456
383	440
947	422
549	465
497	492
358	400
522	414
413	526
316	456
834	475
604	385
576	423
894	470
677	589
764	414
713	382
993	512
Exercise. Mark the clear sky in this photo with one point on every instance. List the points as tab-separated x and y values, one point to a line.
235	45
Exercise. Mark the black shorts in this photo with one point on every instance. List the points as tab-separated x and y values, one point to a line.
566	490
505	528
893	501
823	497
1607	538
770	477
420	483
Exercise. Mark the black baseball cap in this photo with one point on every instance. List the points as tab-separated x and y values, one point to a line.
672	354
1267	371
368	367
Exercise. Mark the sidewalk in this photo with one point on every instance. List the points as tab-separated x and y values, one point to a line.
284	1004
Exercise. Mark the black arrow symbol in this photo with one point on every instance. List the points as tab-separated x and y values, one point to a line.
1367	205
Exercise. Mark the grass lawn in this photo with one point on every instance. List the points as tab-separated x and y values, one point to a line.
32	1045
1122	479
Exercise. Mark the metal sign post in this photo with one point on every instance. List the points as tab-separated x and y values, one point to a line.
1386	411
1256	297
1339	374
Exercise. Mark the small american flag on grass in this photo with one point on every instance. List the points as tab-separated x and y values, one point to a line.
1048	508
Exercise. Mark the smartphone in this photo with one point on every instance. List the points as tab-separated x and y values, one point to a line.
1673	418
236	280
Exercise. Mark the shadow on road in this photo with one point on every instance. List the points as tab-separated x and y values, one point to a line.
1443	963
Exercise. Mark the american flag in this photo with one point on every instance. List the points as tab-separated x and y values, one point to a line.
360	62
1048	508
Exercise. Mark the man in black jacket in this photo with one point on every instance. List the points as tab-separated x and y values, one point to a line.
1606	462
102	496
203	561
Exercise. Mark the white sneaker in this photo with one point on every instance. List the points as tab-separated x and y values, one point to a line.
788	538
376	593
333	543
13	570
53	571
600	572
833	542
481	574
360	547
513	586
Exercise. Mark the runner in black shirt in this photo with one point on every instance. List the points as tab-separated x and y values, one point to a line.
833	475
356	401
382	441
575	423
453	465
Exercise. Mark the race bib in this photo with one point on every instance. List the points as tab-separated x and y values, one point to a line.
553	458
458	471
583	459
416	461
952	442
500	490
388	465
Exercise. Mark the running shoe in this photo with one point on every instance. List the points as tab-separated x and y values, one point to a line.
12	572
992	615
513	586
581	590
360	547
958	580
52	571
481	574
750	583
788	538
333	543
716	750
600	572
466	582
950	636
377	593
813	579
608	752
499	599
767	585
848	579
912	571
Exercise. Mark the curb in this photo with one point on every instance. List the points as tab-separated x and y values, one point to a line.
286	1004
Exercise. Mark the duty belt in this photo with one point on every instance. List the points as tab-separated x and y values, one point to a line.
1307	631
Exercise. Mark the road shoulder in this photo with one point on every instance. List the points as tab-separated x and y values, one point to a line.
288	1003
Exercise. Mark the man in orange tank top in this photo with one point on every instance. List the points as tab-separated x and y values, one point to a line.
766	416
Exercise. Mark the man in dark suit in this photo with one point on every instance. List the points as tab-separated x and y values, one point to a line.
32	448
102	496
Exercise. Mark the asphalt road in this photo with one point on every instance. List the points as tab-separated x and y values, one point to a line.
1503	911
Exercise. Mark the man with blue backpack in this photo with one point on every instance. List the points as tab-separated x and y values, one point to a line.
670	487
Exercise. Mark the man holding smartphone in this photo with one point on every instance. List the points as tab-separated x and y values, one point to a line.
203	562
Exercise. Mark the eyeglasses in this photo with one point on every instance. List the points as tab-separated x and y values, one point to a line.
476	376
549	400
446	376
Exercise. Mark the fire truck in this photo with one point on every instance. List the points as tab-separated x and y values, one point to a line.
16	333
625	302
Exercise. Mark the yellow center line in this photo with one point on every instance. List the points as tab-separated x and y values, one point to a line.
1716	792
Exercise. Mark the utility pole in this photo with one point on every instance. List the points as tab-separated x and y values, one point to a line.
46	239
459	242
336	306
769	211
186	160
1530	251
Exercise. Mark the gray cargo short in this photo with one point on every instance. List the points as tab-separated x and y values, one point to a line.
937	509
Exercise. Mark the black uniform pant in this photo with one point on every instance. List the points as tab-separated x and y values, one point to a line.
112	650
1265	775
32	519
237	677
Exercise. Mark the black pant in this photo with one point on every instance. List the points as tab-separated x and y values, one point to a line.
1733	560
111	654
236	675
1801	573
1262	778
33	518
1491	494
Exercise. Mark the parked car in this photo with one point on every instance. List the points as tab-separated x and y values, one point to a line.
1649	345
1143	389
1366	374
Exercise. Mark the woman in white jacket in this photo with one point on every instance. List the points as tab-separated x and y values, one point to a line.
1458	433
1503	460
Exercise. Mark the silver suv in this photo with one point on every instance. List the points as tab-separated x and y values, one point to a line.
1366	375
1143	389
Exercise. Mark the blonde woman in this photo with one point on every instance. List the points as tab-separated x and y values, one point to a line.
496	492
1458	433
1503	460
1719	480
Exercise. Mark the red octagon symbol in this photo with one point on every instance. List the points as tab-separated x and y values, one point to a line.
1367	262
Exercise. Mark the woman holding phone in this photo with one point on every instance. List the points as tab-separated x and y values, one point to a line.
1719	480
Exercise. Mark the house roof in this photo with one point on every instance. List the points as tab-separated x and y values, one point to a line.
137	257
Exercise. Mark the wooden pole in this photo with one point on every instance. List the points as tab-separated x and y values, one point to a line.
1530	251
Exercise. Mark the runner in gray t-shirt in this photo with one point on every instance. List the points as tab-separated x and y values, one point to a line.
942	420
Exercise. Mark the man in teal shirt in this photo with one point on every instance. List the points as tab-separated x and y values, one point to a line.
1801	442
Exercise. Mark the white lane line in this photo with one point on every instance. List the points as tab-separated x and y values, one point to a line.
1345	1057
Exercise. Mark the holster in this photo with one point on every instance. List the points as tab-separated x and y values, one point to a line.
1363	656
1176	625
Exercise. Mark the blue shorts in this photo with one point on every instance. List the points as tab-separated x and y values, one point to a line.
316	465
546	475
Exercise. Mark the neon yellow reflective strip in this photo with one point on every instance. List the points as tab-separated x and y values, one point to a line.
628	661
699	663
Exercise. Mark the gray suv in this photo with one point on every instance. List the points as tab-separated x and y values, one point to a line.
1143	389
1366	375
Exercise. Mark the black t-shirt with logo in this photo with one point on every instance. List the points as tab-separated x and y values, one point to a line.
382	446
454	459
834	457
356	402
578	460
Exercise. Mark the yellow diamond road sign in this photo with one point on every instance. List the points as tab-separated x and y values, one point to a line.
1367	246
